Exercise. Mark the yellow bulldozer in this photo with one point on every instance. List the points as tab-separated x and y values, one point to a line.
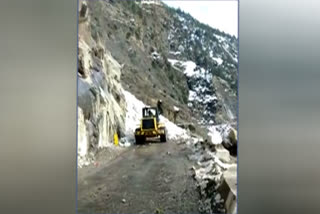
150	126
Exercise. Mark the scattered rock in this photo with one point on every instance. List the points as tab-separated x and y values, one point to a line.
223	154
217	198
123	200
81	68
98	51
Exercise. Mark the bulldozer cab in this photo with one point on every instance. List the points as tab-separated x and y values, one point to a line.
150	126
150	112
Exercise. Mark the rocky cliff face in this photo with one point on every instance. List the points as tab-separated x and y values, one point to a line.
101	103
148	38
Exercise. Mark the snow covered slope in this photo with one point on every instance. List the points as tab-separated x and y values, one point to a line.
202	98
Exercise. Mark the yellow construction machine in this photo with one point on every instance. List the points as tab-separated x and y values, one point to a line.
150	126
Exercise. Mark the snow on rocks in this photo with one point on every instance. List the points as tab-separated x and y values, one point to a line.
124	142
215	135
192	95
201	92
220	38
218	60
177	53
213	160
224	130
189	67
84	161
155	55
155	2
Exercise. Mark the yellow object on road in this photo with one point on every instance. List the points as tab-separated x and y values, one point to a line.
116	140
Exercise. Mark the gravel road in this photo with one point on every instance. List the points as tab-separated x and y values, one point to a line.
151	178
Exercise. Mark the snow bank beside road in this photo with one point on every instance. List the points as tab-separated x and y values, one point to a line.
174	132
133	114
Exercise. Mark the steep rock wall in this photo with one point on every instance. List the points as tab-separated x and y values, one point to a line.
101	103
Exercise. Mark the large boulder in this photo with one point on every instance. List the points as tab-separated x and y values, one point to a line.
81	68
230	140
223	154
228	189
233	136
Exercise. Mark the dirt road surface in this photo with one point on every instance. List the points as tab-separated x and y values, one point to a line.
152	178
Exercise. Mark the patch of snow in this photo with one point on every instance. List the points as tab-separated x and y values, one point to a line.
234	58
175	53
192	95
155	55
133	114
181	19
218	60
189	66
215	135
173	61
155	2
209	98
220	38
224	130
124	142
174	132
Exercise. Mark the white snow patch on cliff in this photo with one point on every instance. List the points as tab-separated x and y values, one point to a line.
215	135
220	38
218	60
192	95
189	68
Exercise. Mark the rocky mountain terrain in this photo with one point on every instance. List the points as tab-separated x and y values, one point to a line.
134	53
148	38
